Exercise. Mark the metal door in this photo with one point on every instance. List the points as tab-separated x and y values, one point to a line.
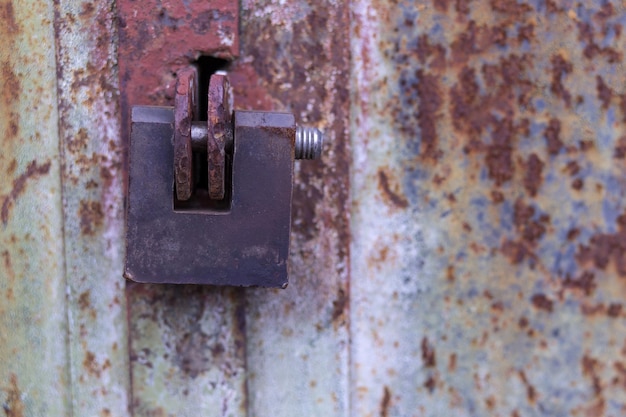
459	250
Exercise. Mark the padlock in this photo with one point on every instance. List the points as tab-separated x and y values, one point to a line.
210	202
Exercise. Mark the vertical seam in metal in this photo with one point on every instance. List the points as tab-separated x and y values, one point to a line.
59	74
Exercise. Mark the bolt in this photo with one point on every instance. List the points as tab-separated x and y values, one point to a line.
309	142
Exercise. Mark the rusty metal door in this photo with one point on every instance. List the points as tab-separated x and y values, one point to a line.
459	250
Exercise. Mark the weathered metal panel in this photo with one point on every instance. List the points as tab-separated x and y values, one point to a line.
34	377
92	175
489	211
295	57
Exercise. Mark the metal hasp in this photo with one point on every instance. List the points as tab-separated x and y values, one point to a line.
193	237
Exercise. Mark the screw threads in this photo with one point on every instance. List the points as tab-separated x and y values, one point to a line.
309	143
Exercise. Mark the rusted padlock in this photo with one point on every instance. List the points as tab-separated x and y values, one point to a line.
210	202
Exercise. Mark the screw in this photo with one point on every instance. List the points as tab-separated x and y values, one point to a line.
309	142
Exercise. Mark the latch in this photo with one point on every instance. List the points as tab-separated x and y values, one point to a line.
209	202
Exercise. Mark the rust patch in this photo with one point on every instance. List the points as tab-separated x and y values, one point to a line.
385	402
33	170
429	358
392	196
605	247
585	283
552	135
533	176
430	384
452	362
339	305
620	149
84	300
542	302
591	370
605	94
614	310
430	104
473	113
530	230
560	67
90	364
91	217
7	15
497	197
13	406
592	50
78	143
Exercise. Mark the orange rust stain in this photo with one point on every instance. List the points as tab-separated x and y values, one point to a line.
12	167
91	217
430	384
614	310
560	67
592	49
620	150
91	365
606	247
591	370
7	15
387	190
79	142
450	275
13	405
531	392
428	91
340	303
497	197
552	135
533	177
385	402
523	322
10	95
452	363
33	170
87	9
542	302
605	94
585	283
429	357
578	184
84	300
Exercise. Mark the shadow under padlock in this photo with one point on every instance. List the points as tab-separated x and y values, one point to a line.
225	222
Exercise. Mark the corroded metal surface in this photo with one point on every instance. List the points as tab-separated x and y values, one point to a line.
295	58
92	177
220	133
158	38
34	377
185	107
488	220
189	359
